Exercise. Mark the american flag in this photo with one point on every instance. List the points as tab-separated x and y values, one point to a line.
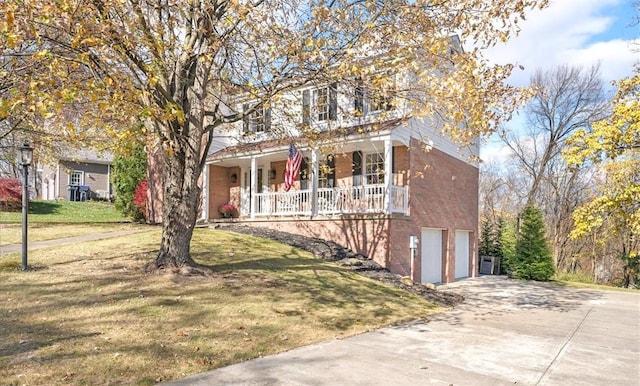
293	167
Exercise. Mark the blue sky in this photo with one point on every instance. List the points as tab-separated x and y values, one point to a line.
574	32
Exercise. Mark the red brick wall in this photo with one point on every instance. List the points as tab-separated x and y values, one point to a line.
400	165
443	193
344	169
220	186
277	184
367	235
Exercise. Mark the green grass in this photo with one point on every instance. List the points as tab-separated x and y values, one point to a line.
579	284
583	280
90	314
67	212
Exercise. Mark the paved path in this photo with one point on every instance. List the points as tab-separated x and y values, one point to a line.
12	248
506	333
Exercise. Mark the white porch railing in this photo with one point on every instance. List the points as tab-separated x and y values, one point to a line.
348	199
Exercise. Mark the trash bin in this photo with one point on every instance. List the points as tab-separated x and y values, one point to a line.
84	192
489	265
73	192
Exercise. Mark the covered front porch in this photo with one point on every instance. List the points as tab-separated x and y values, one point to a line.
377	198
364	176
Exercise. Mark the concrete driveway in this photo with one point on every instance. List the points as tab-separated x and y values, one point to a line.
506	333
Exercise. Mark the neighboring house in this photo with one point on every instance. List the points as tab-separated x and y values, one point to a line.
370	180
83	175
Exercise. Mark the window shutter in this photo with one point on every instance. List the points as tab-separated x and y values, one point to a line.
333	101
267	119
245	118
306	107
331	176
393	160
304	175
357	168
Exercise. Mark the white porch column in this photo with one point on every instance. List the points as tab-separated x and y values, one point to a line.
315	170
388	173
204	214
57	192
254	186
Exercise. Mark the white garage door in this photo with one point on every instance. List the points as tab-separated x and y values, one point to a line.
462	254
431	251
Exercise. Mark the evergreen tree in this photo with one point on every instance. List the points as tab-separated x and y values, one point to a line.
485	248
128	171
507	244
532	257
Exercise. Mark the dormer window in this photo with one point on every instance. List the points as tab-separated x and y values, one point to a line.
259	121
320	104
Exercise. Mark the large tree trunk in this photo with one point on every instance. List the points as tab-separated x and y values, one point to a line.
181	193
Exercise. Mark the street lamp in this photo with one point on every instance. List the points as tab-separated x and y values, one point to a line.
26	155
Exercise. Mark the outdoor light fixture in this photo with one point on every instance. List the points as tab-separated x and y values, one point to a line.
26	156
272	174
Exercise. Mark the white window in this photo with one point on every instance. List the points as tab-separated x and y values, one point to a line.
320	104
76	178
374	168
259	121
327	175
379	101
256	121
373	97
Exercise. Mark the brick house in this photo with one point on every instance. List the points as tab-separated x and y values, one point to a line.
371	178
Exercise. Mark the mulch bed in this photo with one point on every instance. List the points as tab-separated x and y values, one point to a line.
328	250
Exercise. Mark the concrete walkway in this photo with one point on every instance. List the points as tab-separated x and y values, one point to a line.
12	248
506	333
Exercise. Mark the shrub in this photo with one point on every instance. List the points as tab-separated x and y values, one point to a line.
140	200
533	258
10	194
128	171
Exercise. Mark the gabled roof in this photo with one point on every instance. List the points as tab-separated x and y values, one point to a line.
88	156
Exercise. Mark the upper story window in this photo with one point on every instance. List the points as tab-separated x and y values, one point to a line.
259	121
372	100
320	104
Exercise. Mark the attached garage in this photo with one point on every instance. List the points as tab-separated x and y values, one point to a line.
431	256
462	254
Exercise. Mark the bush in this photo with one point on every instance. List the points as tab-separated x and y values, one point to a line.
533	258
128	171
10	194
140	200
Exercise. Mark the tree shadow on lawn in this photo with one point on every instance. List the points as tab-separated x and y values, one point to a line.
44	207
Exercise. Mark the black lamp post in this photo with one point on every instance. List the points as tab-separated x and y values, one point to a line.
26	155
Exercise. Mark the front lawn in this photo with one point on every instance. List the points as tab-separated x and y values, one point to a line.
89	314
41	211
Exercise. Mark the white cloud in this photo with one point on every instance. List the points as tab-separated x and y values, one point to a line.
495	152
573	32
615	57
